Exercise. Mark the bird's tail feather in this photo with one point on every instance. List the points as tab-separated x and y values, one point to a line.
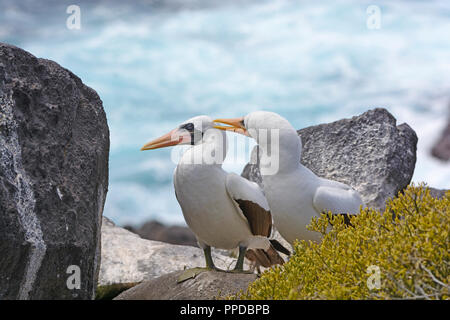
265	258
279	247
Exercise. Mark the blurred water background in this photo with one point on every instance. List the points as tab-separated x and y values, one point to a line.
156	63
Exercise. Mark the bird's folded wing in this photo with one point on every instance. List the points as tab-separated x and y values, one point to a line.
251	203
336	200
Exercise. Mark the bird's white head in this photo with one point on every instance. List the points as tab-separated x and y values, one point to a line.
258	125
278	139
265	121
190	132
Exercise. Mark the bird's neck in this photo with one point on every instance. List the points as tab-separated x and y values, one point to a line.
282	153
211	150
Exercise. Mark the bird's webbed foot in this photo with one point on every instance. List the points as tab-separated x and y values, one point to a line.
193	272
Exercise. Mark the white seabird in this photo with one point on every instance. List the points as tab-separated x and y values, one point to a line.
294	193
223	209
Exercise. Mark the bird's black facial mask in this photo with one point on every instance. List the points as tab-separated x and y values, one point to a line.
196	135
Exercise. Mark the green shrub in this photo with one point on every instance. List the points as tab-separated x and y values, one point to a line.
408	242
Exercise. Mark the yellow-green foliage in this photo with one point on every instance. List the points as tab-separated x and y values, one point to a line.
408	242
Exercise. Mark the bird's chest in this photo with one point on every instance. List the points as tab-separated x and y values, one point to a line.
201	192
290	201
287	193
207	208
198	181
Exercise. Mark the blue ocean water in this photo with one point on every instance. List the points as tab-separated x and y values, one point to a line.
157	63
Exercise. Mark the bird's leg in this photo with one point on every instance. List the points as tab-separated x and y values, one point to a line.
240	261
239	267
193	272
208	258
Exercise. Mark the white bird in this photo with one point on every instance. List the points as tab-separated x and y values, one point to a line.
294	193
223	209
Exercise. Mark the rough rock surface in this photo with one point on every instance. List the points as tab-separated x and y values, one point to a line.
368	152
127	258
441	149
54	143
154	230
437	193
205	286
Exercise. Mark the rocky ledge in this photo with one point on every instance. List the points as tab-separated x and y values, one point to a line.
205	286
127	259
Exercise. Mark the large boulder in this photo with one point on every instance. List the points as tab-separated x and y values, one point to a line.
54	143
205	286
368	152
127	258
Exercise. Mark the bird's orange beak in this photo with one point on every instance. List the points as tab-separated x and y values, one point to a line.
234	124
172	138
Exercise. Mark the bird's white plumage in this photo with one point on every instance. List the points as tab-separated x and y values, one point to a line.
336	200
204	193
294	193
241	188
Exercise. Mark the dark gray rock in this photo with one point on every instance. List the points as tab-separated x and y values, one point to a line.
154	230
205	286
437	193
368	152
441	149
54	144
